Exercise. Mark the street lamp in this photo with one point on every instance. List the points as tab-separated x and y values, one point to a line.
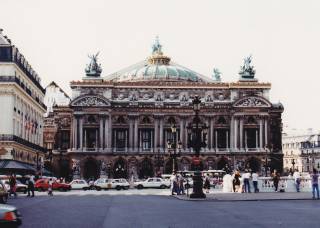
197	132
173	145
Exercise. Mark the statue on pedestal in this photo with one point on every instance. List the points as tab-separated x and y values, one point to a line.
247	71
93	69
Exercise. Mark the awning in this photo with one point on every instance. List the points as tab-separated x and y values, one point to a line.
15	166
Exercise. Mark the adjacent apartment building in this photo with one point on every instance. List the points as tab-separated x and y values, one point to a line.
22	111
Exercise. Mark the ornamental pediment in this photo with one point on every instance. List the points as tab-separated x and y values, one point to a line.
90	101
252	102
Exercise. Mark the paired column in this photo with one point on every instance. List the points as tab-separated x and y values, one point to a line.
81	132
156	134
260	133
266	132
131	122
231	133
182	130
106	132
241	133
236	133
109	135
161	133
136	134
101	133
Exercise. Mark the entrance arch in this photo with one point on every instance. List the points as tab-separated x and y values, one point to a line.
146	168
222	163
169	166
120	169
254	164
91	169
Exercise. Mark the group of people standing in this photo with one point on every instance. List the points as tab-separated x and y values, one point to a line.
177	185
242	183
30	181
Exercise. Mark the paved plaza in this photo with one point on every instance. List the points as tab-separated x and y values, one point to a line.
156	208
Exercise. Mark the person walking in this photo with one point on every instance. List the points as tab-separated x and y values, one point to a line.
173	183
246	178
255	181
181	187
315	183
297	179
206	185
31	186
276	179
13	185
50	186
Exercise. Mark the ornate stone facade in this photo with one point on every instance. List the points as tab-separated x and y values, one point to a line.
120	125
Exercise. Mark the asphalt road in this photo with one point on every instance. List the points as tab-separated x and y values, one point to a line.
103	209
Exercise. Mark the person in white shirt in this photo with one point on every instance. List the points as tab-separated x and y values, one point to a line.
297	179
31	186
255	181
246	177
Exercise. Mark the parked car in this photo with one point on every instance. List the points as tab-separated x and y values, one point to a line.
9	216
3	193
19	188
119	184
79	184
101	183
104	183
155	182
43	184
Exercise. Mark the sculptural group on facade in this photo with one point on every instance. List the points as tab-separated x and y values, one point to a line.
247	71
93	69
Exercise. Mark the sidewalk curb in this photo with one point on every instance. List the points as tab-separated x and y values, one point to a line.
240	200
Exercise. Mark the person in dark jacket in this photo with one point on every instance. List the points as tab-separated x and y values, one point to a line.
276	179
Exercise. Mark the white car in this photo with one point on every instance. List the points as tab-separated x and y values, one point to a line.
118	184
79	184
154	182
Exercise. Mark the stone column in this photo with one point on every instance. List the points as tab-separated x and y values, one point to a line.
266	132
81	132
227	137
106	131
216	138
231	132
156	133
136	134
110	132
260	134
257	142
101	133
245	139
131	134
74	133
185	144
212	136
241	133
182	129
161	134
236	133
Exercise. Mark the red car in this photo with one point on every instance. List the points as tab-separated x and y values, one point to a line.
43	184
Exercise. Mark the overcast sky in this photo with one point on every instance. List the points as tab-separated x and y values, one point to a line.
283	37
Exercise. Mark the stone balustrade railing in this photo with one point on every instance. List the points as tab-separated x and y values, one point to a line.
265	184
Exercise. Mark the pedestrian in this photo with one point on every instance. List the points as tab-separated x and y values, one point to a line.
181	186
246	178
297	179
13	185
315	183
255	181
276	179
236	182
173	183
31	186
50	186
206	185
